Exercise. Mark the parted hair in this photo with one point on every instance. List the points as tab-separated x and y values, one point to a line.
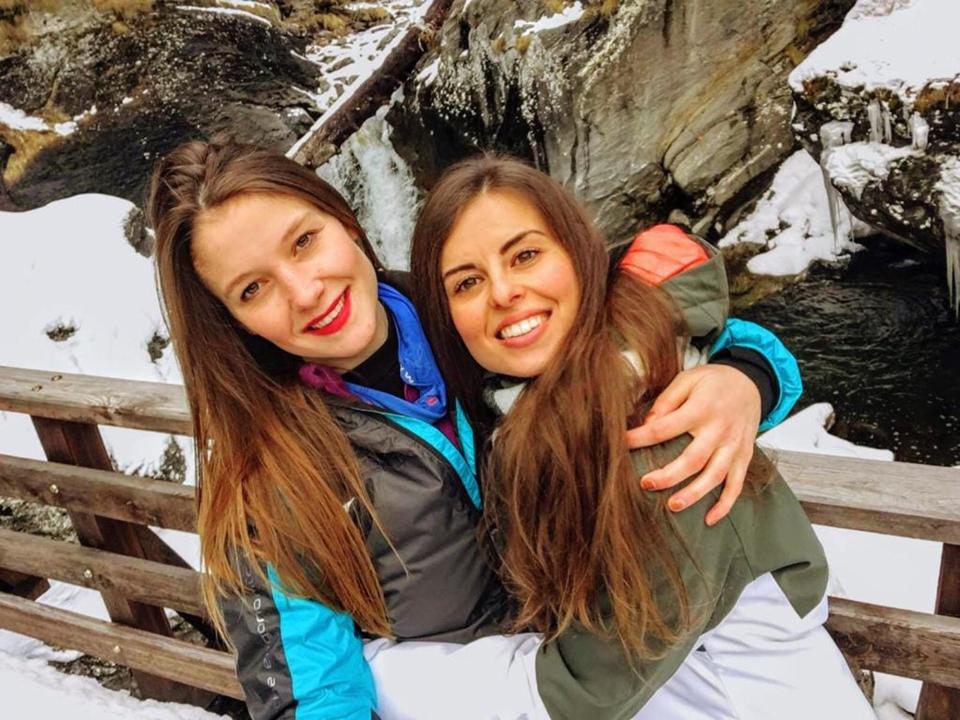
578	543
274	468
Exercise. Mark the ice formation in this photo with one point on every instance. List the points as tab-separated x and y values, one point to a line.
949	188
880	126
919	131
379	186
833	135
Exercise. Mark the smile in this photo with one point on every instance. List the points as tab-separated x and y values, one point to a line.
333	319
523	327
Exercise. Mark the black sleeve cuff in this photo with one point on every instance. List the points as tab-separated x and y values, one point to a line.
755	366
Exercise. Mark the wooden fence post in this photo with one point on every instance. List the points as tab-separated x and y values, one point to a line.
81	444
938	702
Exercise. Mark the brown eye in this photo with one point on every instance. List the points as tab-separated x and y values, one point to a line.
249	291
465	284
304	240
525	256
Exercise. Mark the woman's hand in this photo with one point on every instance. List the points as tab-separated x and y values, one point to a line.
720	407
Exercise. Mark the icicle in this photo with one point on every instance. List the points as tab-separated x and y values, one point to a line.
951	228
949	189
880	122
833	135
919	131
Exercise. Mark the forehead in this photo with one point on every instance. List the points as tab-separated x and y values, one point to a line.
489	220
242	233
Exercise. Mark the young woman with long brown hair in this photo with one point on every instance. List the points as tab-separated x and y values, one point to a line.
639	608
337	490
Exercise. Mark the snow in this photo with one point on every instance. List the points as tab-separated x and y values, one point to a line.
878	47
347	62
853	166
236	12
869	567
76	269
31	688
569	14
793	221
18	120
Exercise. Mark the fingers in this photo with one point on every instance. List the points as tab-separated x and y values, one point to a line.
731	491
712	476
663	428
674	395
691	461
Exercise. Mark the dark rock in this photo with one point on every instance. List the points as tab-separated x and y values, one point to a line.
637	107
168	76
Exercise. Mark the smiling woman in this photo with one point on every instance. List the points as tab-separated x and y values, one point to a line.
501	252
646	611
293	275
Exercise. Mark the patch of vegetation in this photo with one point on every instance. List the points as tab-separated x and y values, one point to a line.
125	9
173	464
43	520
61	331
156	345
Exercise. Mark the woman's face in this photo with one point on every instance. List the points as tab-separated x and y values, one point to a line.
293	275
512	289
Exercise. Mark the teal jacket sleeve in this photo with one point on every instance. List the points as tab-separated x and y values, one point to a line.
297	659
741	333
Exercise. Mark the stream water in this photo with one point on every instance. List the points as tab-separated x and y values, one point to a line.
877	339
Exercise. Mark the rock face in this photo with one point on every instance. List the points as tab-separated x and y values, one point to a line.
106	94
636	106
888	82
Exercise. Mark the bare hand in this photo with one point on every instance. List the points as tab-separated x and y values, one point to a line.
720	407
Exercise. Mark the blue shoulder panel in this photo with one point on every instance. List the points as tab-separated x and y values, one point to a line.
742	333
464	463
330	677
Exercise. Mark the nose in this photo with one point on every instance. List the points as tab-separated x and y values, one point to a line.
302	287
504	290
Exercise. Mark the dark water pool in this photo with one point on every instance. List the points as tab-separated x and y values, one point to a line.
877	340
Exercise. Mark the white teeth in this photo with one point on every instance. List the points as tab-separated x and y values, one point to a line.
331	316
522	327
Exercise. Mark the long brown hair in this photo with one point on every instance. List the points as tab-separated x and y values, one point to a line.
560	486
274	468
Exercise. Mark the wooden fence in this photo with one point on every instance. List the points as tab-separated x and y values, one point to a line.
139	575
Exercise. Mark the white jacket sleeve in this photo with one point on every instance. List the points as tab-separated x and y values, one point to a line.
493	678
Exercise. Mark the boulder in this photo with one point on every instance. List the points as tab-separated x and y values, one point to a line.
90	99
884	92
638	107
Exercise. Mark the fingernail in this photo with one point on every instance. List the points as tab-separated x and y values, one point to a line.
676	504
648	484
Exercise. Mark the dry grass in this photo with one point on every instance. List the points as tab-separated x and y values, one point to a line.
369	16
126	9
26	145
603	8
522	43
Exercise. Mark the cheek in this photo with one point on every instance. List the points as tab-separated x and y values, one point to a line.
468	321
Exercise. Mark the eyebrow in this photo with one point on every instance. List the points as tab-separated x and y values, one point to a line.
291	229
503	250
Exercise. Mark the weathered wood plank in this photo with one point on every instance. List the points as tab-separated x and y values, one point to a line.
110	494
103	401
899	642
171	659
936	701
81	444
894	498
135	578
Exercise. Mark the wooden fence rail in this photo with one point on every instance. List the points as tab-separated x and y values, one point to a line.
138	574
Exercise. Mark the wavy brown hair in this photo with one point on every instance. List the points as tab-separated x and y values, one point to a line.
274	468
580	543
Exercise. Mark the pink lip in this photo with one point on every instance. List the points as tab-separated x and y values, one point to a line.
523	340
336	324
